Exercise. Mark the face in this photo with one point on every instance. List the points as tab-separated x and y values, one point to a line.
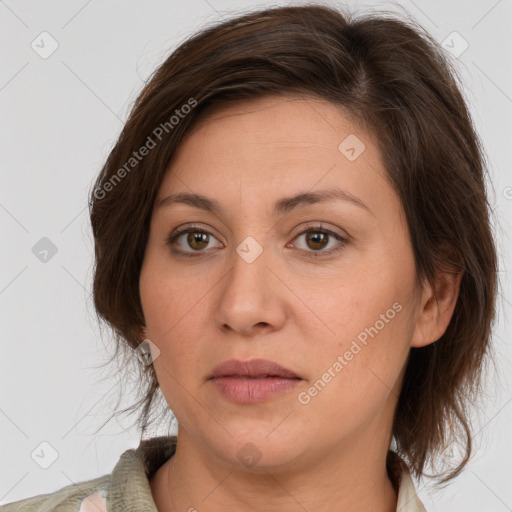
322	286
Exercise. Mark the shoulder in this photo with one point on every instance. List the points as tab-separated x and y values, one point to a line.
125	488
87	496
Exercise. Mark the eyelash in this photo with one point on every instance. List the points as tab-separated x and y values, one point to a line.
314	254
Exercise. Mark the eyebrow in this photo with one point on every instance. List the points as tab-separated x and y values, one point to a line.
282	206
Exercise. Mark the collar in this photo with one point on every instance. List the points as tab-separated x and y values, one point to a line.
130	490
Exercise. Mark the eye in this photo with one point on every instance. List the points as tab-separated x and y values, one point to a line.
197	239
317	238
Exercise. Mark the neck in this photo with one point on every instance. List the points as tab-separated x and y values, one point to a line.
352	479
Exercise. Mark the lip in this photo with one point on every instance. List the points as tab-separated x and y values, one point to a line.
252	368
253	381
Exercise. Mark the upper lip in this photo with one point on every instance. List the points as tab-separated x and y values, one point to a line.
252	368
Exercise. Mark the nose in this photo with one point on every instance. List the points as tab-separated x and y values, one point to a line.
252	298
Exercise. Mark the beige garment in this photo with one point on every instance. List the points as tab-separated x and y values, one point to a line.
127	488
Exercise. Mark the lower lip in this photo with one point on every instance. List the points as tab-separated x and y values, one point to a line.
250	391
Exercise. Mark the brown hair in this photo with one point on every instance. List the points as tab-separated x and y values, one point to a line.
387	74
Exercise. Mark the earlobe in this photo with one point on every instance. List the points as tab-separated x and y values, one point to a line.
436	308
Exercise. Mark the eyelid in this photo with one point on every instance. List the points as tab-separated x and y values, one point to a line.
320	228
185	228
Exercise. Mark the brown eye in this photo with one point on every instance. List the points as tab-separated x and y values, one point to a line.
197	240
317	240
190	240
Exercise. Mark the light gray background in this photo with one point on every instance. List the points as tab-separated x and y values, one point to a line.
60	117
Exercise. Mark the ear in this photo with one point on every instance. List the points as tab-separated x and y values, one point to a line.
436	308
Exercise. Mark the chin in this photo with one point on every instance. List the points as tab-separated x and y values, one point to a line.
261	449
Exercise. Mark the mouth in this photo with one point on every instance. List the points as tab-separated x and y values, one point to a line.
253	381
253	369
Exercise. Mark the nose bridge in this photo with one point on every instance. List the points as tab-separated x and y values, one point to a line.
249	269
248	296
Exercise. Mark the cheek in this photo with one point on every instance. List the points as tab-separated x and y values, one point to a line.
168	297
167	312
173	308
357	378
370	321
358	304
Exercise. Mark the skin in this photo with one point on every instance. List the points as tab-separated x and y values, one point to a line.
287	306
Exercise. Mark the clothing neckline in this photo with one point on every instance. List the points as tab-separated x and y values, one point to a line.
130	477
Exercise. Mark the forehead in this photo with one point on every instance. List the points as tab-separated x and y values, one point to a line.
271	146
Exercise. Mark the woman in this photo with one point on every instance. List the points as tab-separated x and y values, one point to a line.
292	234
